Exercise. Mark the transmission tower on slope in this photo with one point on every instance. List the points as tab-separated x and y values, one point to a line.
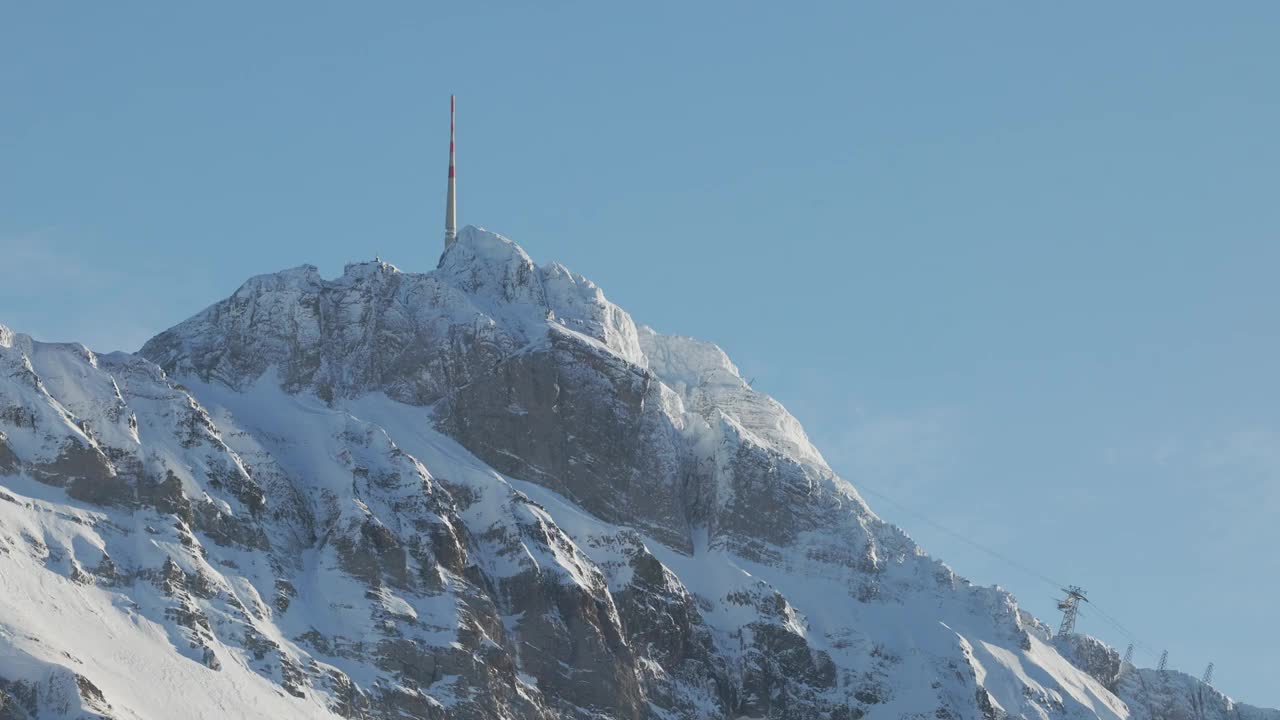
1128	655
1163	667
1070	607
1208	675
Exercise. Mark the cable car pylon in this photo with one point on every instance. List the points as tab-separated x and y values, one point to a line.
1070	607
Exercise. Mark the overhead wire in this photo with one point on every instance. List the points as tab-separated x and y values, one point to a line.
1057	585
1137	642
862	486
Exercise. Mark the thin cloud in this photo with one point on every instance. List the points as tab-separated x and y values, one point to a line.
1235	478
55	293
35	262
1254	451
1242	471
904	452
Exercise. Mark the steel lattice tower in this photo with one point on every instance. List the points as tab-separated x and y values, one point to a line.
1070	607
1208	675
1128	655
1164	662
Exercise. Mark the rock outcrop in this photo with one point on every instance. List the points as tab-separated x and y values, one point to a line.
479	492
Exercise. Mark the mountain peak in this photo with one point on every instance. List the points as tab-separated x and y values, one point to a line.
481	492
477	246
420	336
491	267
377	328
302	277
357	271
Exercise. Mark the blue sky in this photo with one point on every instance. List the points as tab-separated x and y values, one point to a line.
1013	265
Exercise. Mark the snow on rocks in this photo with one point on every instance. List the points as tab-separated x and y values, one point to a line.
477	492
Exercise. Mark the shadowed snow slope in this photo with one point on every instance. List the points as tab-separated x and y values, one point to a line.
479	492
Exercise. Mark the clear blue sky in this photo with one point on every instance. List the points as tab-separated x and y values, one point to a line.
1013	263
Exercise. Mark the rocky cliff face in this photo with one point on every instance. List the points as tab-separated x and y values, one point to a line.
1172	695
480	492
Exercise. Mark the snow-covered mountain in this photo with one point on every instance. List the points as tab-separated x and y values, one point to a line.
479	492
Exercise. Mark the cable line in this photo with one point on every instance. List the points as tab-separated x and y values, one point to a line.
862	487
964	538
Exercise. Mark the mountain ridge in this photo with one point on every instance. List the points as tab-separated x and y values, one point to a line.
479	492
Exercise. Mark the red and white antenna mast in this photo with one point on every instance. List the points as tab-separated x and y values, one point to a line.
451	203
